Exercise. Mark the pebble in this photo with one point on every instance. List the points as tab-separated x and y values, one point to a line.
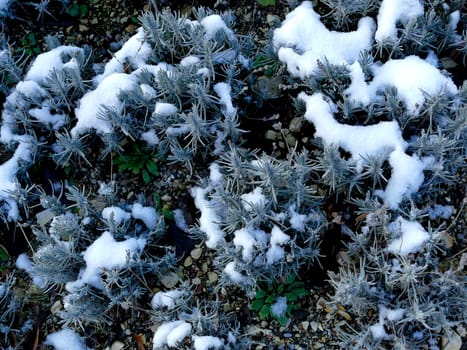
57	306
271	135
83	28
295	124
196	281
188	261
117	345
170	280
212	277
452	341
305	325
196	253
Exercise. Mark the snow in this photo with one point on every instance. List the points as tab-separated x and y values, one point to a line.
244	239
275	251
166	299
164	109
207	342
106	94
412	237
252	199
8	181
44	115
377	330
66	339
215	174
392	12
209	220
223	90
384	139
24	263
213	24
135	52
189	61
150	137
170	334
118	215
105	253
411	76
234	275
279	307
440	211
147	214
303	40
47	61
4	4
297	221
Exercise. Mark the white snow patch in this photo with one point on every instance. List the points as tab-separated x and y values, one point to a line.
275	251
224	90
244	239
392	12
53	59
303	40
66	339
279	307
147	214
150	137
209	219
166	299
117	214
106	94
213	24
377	330
234	275
411	76
105	253
135	51
412	237
254	198
170	334
164	109
44	115
207	342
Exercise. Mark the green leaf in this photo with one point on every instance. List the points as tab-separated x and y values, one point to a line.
283	320
83	10
73	10
260	294
152	168
291	279
257	304
280	289
167	213
4	256
146	177
265	311
267	2
270	299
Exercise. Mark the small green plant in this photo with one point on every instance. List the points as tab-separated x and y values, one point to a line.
139	161
30	45
267	2
289	291
78	10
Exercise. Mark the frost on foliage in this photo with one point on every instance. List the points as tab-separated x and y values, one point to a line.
412	237
171	334
105	253
279	307
384	138
303	40
393	12
66	339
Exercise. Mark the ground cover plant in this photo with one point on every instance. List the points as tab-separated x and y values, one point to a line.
333	151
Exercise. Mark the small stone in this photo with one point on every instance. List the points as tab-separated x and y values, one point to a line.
57	306
188	261
295	124
451	341
196	281
115	46
130	28
314	326
305	325
271	135
291	141
264	324
83	28
272	19
344	314
94	21
212	277
196	253
204	267
117	345
170	280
